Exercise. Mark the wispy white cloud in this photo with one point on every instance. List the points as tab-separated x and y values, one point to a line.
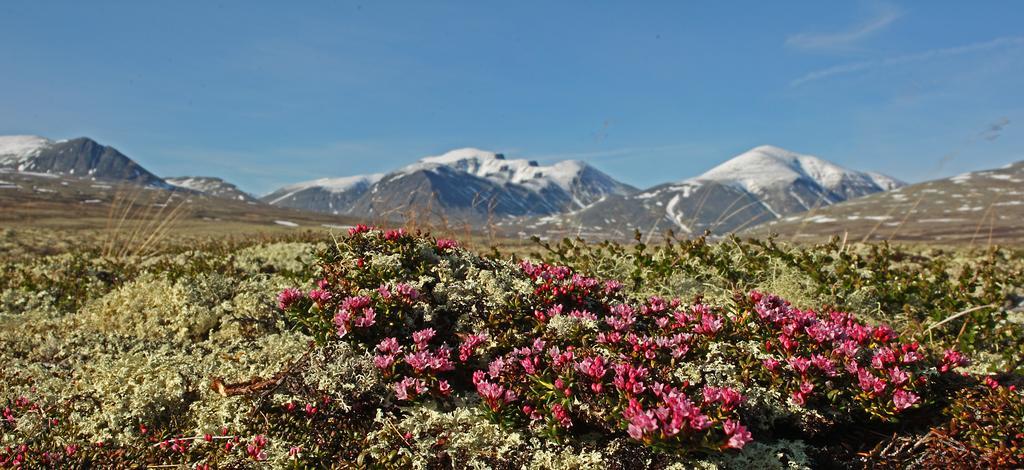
855	67
848	38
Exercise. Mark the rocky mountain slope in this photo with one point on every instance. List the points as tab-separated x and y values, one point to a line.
973	207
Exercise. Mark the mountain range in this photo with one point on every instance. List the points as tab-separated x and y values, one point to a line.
757	186
517	196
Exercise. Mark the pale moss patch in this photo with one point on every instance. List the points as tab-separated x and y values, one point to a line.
278	257
791	284
777	455
120	393
343	373
546	456
470	441
568	327
155	308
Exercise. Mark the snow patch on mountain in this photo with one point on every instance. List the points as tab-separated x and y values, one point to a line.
15	150
498	169
356	184
335	185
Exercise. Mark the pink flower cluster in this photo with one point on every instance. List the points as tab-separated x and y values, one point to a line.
395	234
469	345
359	228
355	312
399	293
288	297
813	355
445	244
255	449
494	394
559	285
421	365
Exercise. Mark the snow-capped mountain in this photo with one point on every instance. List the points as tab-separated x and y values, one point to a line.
212	186
468	183
789	182
81	157
331	195
757	186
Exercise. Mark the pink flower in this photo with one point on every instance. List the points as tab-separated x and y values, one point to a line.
869	383
319	296
360	228
441	361
355	303
470	344
368	319
389	346
951	359
288	297
611	287
422	337
419	361
593	368
800	364
392	235
729	398
446	244
402	388
494	394
898	376
255	449
641	422
407	291
798	398
383	363
560	359
629	379
561	416
709	324
341	321
903	399
738	434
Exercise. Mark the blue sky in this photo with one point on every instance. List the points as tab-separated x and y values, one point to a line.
265	94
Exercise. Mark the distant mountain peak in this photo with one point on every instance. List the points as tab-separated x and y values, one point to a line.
767	167
497	168
469	181
81	156
210	185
